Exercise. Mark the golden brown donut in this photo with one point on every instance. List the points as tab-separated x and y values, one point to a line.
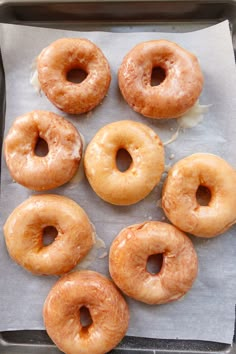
128	257
63	158
108	310
64	55
176	94
179	195
24	228
147	153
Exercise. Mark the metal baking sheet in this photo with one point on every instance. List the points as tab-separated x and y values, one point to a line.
123	16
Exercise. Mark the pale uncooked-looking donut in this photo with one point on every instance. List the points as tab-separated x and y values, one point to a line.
129	254
176	94
64	55
24	228
108	310
64	150
134	184
179	199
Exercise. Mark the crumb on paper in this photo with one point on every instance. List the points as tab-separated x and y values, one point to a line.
99	243
103	255
172	156
89	114
173	137
181	298
167	168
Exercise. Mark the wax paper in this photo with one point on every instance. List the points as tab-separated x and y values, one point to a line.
207	311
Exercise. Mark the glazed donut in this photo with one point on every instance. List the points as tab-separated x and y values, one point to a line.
61	162
147	153
107	307
176	94
128	257
179	195
24	229
64	55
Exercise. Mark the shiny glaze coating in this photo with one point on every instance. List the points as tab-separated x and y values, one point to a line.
134	184
128	257
64	55
179	195
23	232
176	94
107	307
42	172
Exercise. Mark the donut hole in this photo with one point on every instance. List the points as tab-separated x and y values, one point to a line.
203	195
158	76
49	235
85	317
76	75
41	148
123	160
154	263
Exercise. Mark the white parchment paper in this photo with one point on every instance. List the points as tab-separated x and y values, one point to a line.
207	311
